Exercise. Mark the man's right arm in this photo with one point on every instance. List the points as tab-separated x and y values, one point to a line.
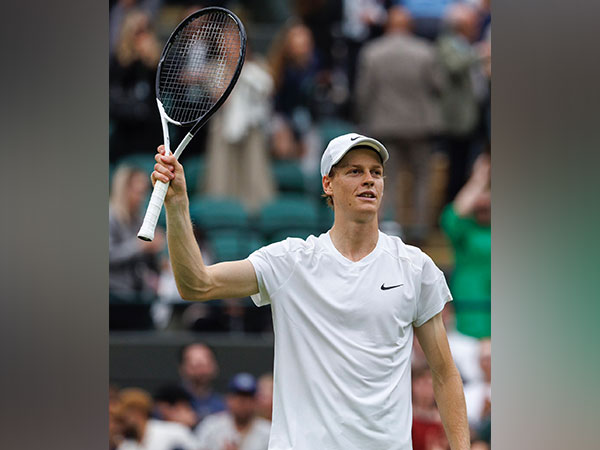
195	280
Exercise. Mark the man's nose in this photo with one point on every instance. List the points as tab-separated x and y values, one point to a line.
368	179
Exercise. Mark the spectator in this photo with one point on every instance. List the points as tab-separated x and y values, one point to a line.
115	424
198	369
427	429
119	10
478	395
238	428
296	68
134	119
322	17
396	101
460	103
134	265
174	404
466	222
144	433
237	146
264	396
465	349
361	21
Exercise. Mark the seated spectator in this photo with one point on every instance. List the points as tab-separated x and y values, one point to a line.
144	433
238	428
264	396
427	430
115	425
174	404
478	395
465	349
467	223
198	369
134	265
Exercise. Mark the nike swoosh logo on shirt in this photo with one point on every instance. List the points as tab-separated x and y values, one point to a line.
385	288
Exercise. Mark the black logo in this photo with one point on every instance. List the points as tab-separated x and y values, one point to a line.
385	288
354	138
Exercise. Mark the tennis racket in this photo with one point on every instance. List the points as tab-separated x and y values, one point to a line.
198	68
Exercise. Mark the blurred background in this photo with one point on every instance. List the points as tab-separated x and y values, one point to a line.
414	74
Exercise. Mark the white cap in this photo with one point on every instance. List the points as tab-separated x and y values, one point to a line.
338	147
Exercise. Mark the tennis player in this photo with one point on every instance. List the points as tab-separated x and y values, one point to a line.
345	308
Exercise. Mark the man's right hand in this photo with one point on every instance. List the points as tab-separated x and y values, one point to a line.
168	169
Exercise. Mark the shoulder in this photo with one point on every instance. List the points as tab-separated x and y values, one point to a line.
293	247
394	247
216	419
166	427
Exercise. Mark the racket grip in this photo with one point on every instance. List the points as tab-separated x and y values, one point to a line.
157	199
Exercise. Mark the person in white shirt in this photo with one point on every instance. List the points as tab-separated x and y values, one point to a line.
144	433
345	306
238	428
478	395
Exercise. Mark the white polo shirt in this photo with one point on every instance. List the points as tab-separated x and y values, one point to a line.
343	340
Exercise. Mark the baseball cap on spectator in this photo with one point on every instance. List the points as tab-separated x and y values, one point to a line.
338	147
242	383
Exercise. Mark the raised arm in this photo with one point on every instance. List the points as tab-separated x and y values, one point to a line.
195	280
447	384
478	182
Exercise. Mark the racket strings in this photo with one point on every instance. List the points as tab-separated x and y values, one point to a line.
199	66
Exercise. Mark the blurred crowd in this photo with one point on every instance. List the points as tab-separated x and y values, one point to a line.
189	414
414	74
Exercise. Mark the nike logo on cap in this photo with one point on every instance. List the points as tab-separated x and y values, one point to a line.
354	138
385	288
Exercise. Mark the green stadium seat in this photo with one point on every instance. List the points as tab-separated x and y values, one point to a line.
288	176
194	167
234	245
332	128
289	216
144	161
213	214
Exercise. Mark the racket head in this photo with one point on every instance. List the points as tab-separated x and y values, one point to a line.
200	65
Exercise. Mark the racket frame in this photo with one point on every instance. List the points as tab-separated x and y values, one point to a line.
146	232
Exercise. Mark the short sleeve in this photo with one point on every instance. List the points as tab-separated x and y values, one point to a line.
434	292
273	265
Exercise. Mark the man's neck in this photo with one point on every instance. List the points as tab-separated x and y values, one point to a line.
199	390
353	239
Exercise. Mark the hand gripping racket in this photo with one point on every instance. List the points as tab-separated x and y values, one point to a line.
198	68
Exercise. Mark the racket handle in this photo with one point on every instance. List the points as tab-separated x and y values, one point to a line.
157	199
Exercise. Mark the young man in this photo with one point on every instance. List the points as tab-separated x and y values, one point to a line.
238	428
345	306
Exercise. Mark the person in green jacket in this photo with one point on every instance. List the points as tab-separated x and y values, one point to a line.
467	223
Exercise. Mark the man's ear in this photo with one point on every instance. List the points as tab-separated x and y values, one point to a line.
327	185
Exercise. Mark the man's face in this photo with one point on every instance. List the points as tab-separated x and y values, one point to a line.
199	365
357	186
138	188
242	407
